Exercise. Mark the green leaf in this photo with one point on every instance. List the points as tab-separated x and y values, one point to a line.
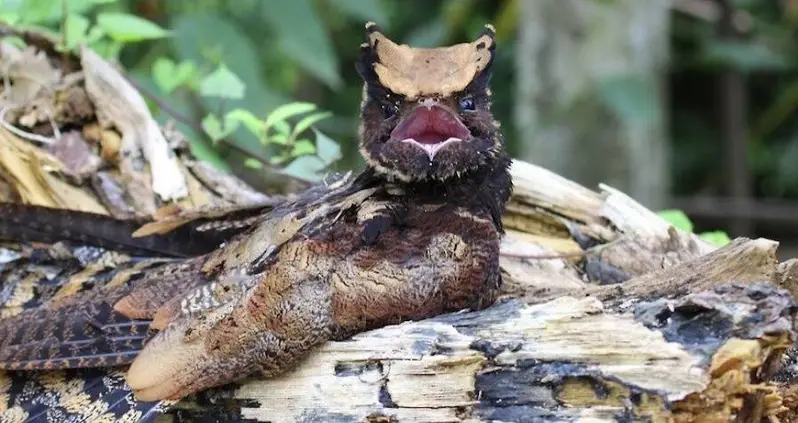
249	120
716	238
328	150
306	168
281	139
95	34
253	163
283	128
48	12
302	36
677	218
632	97
285	111
76	28
124	27
108	49
216	129
279	159
169	75
10	18
222	83
303	147
191	40
308	121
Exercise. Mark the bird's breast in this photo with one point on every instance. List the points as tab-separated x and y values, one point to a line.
433	263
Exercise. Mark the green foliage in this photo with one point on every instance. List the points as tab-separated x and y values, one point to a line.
716	238
222	83
679	220
170	75
126	28
110	32
302	37
235	103
302	157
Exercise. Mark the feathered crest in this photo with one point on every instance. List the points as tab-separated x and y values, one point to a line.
413	72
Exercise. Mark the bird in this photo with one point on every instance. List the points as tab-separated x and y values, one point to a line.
413	235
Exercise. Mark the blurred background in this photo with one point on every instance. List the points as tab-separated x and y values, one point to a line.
683	104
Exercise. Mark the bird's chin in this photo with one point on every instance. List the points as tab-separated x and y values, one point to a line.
431	149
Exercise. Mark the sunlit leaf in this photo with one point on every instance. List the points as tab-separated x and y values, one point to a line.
95	33
281	139
303	147
10	18
192	39
222	83
279	159
76	28
282	127
124	27
169	75
249	120
302	36
108	49
677	219
308	121
286	111
327	149
253	163
43	12
716	238
305	168
633	97
216	129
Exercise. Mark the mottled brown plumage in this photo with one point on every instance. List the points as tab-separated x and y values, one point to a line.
414	235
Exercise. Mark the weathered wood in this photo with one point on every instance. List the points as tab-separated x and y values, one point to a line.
565	359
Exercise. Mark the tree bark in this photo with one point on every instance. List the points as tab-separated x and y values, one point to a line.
590	101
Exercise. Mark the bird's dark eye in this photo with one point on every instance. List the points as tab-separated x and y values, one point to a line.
389	110
467	104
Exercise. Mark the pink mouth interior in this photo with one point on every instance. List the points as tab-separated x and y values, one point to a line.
431	125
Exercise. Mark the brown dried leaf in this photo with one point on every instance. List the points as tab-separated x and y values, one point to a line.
28	169
78	158
73	106
118	103
30	71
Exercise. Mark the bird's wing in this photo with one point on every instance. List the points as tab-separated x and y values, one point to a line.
171	233
57	313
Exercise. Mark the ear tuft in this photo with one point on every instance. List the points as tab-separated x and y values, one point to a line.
371	27
488	30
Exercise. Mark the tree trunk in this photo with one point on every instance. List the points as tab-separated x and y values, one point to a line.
590	101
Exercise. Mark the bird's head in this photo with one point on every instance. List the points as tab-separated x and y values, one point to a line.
426	112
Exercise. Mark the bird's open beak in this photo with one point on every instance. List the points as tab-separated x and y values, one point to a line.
430	127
